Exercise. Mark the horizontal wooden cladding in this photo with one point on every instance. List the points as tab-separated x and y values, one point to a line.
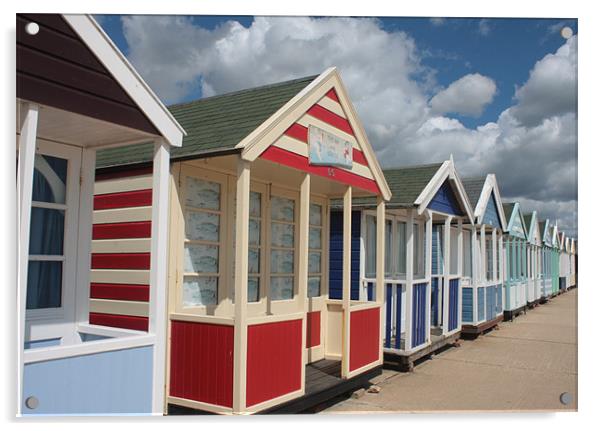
133	198
287	158
364	340
332	94
120	261
201	362
331	118
123	173
119	321
135	245
300	133
273	360
124	292
312	338
139	229
115	306
119	215
125	276
126	184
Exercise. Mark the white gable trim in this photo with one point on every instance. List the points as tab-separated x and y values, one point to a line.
447	170
533	229
516	212
266	134
490	186
124	73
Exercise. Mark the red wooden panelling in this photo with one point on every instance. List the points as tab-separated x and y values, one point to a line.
273	360
134	198
137	229
331	118
358	157
312	338
126	292
333	95
119	321
129	172
287	158
202	362
365	337
120	260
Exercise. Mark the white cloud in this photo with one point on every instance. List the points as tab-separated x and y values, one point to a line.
484	27
437	21
468	95
531	147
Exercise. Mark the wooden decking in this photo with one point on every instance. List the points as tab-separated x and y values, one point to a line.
473	331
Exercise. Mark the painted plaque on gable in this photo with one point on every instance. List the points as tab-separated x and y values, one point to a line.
327	149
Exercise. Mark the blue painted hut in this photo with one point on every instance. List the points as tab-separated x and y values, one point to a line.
423	258
515	245
482	306
546	260
534	257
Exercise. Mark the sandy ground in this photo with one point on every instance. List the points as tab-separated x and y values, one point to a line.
523	366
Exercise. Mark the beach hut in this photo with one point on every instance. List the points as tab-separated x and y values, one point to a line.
423	258
546	260
563	268
555	259
482	299
572	283
261	311
515	261
534	257
77	94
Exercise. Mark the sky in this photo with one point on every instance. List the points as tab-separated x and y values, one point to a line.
498	94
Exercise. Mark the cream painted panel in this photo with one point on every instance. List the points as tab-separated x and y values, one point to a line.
123	184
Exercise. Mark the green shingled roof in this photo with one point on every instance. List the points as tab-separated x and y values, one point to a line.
213	124
474	187
405	183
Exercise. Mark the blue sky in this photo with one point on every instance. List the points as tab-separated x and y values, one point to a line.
500	95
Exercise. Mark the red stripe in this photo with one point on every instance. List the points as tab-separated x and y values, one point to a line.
100	176
332	94
299	132
136	229
331	118
278	155
126	292
120	260
119	321
312	338
134	198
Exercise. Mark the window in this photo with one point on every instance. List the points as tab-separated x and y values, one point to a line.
453	252
467	257
47	233
489	251
401	248
417	262
370	269
316	232
388	248
282	252
203	212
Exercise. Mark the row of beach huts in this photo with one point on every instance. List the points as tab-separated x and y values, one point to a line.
242	253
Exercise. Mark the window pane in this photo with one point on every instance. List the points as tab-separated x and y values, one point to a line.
282	262
315	237
401	247
315	214
281	288
49	179
47	231
253	289
44	284
202	226
201	258
283	235
314	265
467	259
202	194
370	246
253	260
313	287
283	209
199	291
255	204
388	248
254	232
417	257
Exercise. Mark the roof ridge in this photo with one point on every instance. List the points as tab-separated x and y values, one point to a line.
426	165
244	90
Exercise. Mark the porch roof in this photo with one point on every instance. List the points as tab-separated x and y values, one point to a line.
214	124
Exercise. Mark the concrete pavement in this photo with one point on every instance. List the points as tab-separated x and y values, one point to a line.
523	366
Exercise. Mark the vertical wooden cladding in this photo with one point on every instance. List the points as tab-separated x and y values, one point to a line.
313	329
273	360
56	68
201	366
364	339
419	314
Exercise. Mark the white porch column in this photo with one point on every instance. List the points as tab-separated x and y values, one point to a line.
460	270
27	150
157	317
446	262
302	265
241	270
428	270
346	280
409	278
380	267
483	255
475	273
494	251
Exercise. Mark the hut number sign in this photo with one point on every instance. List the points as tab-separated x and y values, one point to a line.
326	149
